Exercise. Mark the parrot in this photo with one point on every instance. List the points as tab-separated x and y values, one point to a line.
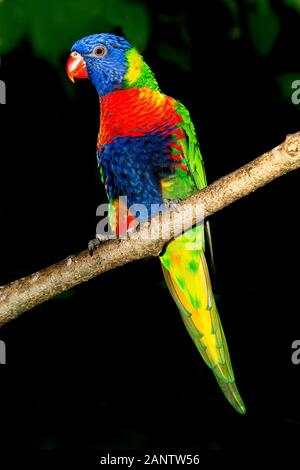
148	151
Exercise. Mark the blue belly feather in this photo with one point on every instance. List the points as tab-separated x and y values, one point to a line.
134	167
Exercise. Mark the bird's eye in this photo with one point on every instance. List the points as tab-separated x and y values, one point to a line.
100	51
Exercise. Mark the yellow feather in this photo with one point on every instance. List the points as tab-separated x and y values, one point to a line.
135	63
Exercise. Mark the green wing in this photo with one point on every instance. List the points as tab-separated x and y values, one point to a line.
191	148
195	163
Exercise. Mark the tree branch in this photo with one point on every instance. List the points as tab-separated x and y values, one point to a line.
28	292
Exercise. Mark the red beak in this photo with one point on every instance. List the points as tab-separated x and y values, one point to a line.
76	67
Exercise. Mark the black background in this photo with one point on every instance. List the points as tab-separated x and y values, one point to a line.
110	366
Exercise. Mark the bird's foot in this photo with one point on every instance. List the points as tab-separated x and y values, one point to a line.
93	244
171	204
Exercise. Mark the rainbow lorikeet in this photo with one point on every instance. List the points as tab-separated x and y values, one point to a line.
148	151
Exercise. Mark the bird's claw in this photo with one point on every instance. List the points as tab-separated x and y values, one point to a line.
93	244
171	204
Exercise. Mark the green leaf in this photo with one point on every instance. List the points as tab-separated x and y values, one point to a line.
52	27
293	4
12	24
180	57
264	25
232	5
132	18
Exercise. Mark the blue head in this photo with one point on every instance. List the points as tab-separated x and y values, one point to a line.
101	58
110	62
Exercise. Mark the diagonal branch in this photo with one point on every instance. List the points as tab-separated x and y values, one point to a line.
28	292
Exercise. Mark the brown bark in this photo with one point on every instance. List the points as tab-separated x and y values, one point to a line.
26	293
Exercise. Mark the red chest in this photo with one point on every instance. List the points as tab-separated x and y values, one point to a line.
135	112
